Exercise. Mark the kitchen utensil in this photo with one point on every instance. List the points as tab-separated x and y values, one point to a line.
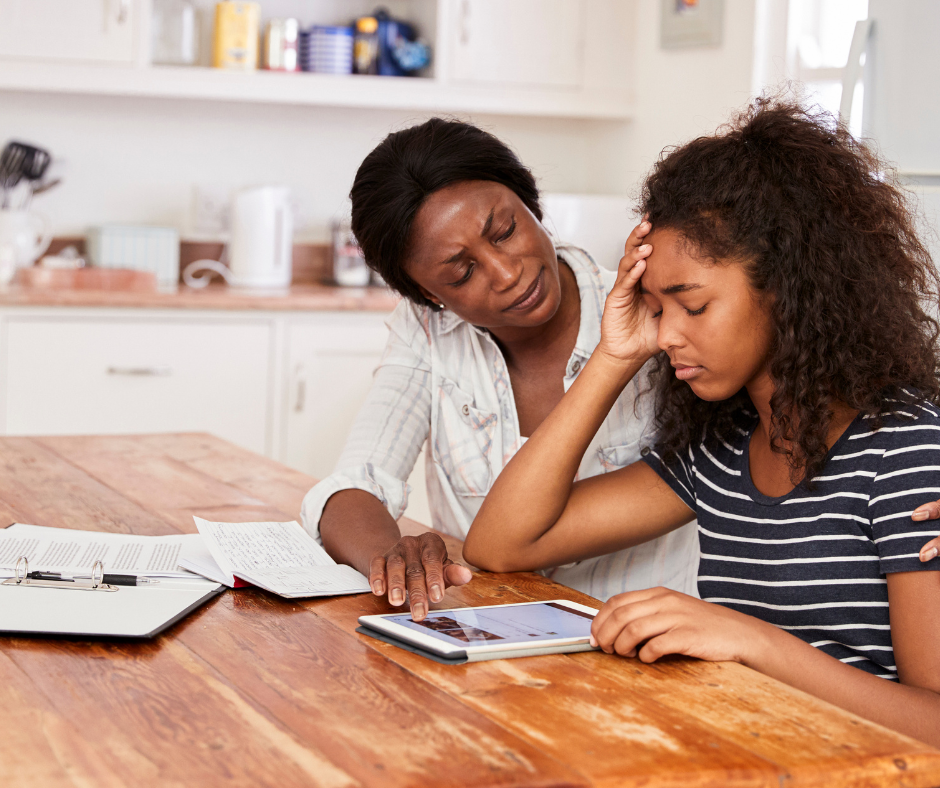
261	250
24	236
20	161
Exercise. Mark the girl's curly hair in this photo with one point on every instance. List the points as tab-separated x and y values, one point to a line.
823	230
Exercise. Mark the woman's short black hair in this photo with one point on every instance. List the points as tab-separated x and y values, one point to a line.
407	167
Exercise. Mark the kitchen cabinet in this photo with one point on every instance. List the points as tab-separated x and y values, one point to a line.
90	31
101	375
545	58
539	43
331	358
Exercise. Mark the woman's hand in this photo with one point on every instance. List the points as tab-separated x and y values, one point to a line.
419	567
628	327
929	511
652	623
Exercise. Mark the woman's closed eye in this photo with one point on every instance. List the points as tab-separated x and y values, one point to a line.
465	277
508	234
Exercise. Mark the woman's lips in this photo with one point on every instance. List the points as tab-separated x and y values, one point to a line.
687	373
530	297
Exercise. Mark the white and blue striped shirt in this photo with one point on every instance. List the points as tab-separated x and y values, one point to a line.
814	561
444	381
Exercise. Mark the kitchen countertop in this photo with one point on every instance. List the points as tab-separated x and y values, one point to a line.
299	298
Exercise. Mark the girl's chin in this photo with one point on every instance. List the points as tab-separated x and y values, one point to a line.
710	391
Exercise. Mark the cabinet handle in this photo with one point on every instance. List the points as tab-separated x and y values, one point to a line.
123	11
465	22
141	372
301	399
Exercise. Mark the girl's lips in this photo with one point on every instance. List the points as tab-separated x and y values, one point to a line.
533	297
687	373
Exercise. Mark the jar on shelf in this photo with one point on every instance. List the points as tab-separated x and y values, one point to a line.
174	32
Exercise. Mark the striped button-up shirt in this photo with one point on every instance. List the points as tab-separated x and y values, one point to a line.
445	382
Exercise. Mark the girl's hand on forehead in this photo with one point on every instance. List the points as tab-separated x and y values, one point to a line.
628	328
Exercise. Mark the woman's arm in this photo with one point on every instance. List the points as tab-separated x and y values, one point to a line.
353	511
650	624
358	530
535	516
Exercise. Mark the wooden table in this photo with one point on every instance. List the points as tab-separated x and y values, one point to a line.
253	690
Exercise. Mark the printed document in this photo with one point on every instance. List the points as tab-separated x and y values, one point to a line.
73	553
279	557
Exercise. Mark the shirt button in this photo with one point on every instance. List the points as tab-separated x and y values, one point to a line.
575	367
465	410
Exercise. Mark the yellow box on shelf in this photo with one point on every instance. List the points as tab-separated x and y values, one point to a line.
235	39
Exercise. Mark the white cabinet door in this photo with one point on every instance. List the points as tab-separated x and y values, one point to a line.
331	358
101	376
517	42
74	30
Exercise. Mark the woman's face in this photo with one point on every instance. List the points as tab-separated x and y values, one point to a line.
476	249
713	325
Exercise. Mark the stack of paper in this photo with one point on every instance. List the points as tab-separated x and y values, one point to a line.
279	557
73	553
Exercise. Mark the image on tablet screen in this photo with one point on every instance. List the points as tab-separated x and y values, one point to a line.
509	625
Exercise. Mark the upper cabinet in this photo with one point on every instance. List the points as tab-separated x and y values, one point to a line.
537	43
90	31
548	58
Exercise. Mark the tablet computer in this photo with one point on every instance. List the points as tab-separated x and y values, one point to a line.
471	634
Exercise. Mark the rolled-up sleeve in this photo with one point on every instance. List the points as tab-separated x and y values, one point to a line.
390	428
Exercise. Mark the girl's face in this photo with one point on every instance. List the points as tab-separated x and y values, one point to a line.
476	249
713	325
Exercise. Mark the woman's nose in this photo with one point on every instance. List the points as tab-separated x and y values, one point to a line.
506	270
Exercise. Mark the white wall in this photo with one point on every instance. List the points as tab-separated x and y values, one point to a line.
135	160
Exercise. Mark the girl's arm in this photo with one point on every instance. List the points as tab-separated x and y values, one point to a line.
650	624
535	515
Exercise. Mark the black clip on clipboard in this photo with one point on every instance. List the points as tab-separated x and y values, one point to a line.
25	581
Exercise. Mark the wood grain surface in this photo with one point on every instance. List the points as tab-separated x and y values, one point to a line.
255	690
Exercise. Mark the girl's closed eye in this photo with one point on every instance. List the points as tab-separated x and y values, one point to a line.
694	312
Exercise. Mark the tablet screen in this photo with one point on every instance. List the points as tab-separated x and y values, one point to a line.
503	624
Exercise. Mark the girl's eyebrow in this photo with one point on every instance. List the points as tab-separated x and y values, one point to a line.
684	288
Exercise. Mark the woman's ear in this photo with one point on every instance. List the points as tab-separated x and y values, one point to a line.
435	303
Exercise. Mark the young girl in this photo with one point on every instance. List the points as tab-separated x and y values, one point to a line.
778	277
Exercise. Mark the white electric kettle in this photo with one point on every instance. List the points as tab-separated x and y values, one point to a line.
261	247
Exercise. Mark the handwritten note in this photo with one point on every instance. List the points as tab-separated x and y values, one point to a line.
279	557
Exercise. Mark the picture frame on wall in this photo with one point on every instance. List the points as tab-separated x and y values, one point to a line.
691	23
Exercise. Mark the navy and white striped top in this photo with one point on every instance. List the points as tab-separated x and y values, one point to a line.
813	562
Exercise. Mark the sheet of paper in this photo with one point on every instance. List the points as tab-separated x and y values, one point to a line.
318	581
73	552
280	557
248	546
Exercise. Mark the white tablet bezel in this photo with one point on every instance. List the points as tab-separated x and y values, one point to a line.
382	624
